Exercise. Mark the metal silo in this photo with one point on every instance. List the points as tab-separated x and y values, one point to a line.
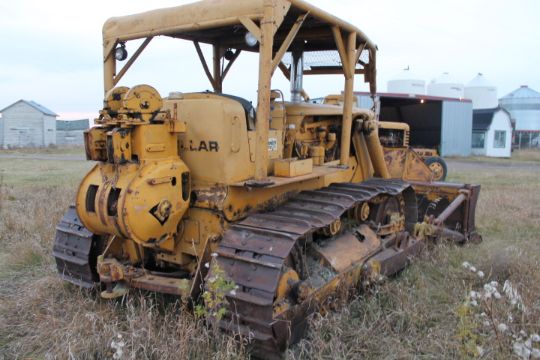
406	82
524	106
445	86
482	93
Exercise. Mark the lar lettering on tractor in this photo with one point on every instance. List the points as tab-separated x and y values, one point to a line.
292	198
203	145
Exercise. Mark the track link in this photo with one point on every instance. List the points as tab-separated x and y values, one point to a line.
253	253
75	251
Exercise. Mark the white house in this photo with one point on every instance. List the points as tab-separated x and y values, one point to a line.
492	133
27	124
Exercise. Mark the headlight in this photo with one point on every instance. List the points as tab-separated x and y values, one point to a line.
120	53
251	40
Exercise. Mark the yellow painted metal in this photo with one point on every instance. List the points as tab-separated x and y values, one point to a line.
293	167
134	201
119	145
96	144
375	149
192	20
349	67
263	99
317	154
113	99
333	228
138	133
406	164
219	137
211	14
365	166
424	152
109	66
240	200
397	127
362	212
142	99
140	190
199	233
437	170
394	125
175	173
287	280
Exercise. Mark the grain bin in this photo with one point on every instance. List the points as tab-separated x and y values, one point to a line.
482	93
524	105
406	82
445	86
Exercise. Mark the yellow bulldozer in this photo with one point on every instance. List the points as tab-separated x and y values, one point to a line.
290	202
398	154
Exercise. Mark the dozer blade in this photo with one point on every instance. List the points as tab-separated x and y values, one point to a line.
75	251
449	208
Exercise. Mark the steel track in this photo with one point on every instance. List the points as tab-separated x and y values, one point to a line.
253	253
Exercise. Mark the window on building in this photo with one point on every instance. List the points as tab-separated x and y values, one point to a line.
500	139
478	138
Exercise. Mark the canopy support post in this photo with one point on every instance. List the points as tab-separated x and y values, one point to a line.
131	60
204	64
288	41
230	63
346	128
263	98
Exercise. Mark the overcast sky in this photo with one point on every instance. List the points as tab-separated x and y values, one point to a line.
51	50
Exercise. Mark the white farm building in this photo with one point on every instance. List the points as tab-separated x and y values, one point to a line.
492	133
71	132
27	124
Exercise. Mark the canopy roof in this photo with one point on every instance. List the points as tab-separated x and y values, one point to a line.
278	25
220	22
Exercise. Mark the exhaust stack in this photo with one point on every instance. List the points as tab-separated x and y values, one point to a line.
297	75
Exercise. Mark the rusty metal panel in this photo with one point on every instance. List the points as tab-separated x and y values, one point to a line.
392	260
258	241
316	219
346	250
250	275
167	285
272	221
75	251
325	197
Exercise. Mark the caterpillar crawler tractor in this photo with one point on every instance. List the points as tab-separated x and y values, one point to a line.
291	202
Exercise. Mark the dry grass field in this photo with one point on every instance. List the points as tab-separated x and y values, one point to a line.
427	311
